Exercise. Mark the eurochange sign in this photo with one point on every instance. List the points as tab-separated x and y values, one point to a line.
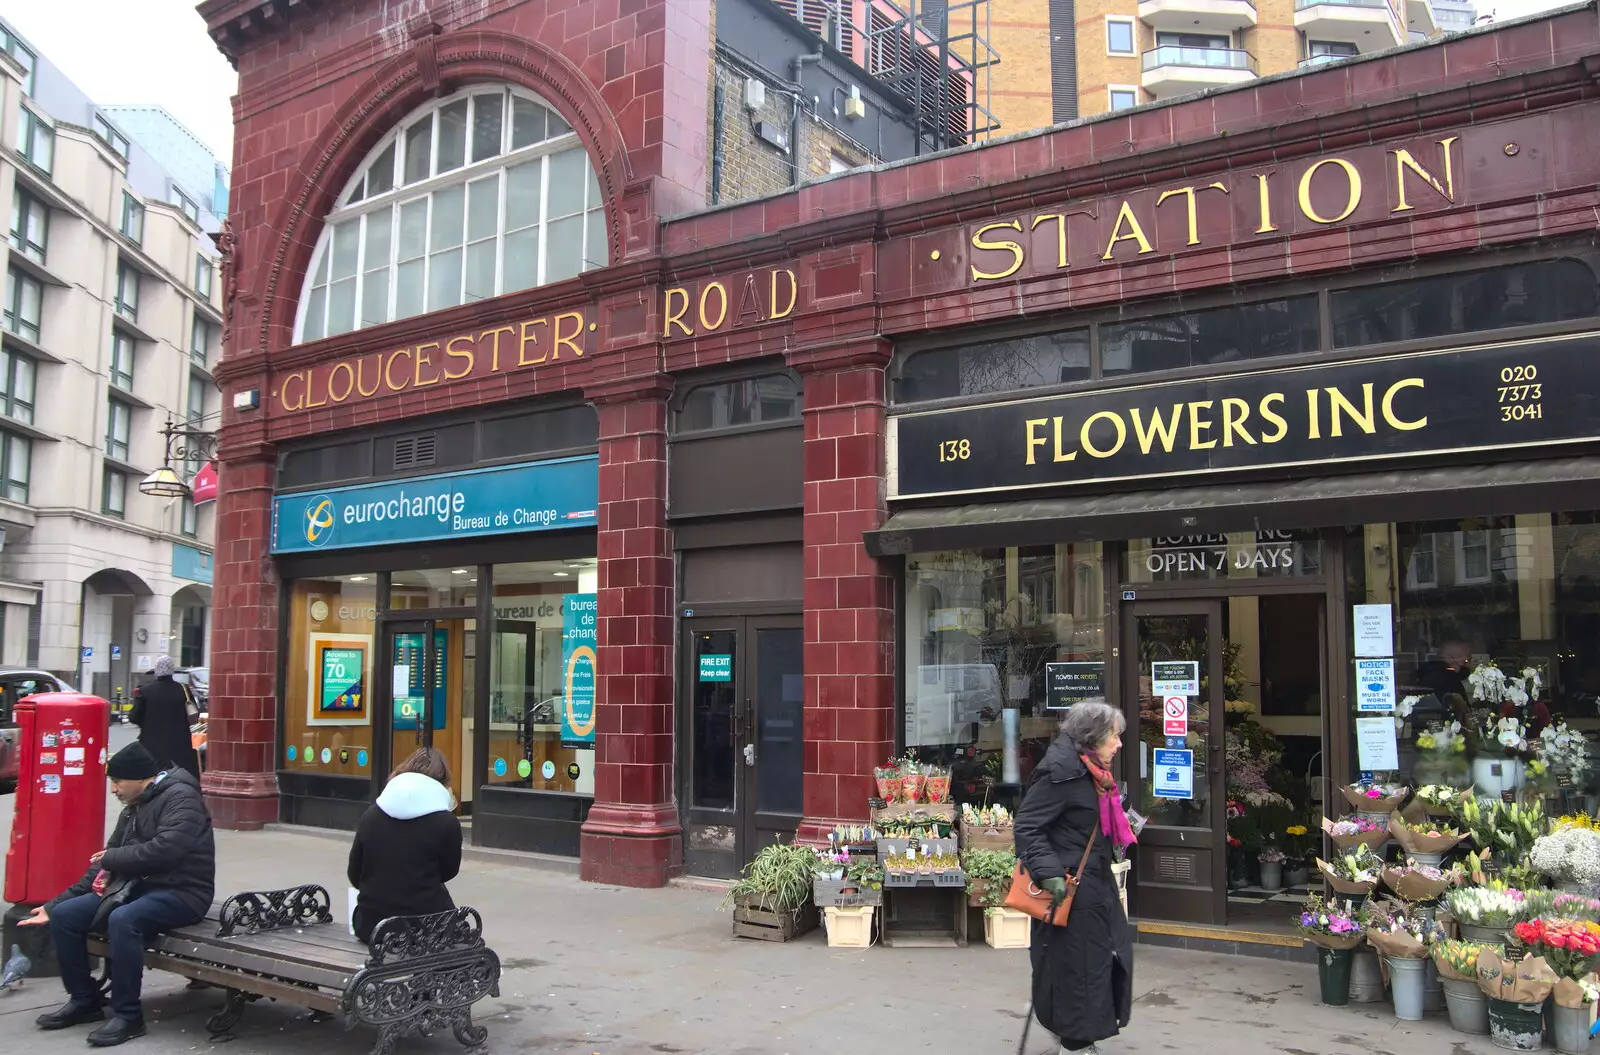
1492	397
536	496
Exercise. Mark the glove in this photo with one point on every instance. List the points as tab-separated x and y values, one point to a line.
1057	889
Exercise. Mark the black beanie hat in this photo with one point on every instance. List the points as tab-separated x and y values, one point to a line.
133	762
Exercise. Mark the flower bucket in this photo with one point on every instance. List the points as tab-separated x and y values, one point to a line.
1468	1007
1569	1028
1271	876
1407	981
1432	989
1376	818
1366	979
1333	972
1296	876
1496	776
1517	1027
1427	859
1483	935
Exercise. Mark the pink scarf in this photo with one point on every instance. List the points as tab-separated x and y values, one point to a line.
1113	821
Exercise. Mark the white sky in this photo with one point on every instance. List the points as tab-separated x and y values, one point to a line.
137	51
157	51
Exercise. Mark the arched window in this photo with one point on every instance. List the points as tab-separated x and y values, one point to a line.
481	193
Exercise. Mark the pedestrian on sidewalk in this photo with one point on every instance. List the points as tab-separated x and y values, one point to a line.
157	873
1083	972
162	711
408	845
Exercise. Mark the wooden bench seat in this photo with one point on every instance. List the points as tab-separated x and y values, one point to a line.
420	973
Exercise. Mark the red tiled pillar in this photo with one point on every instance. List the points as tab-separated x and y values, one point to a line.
632	836
849	598
241	783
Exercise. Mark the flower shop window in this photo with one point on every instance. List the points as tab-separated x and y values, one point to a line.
981	626
1495	625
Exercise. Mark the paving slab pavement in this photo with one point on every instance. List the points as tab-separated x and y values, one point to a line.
597	970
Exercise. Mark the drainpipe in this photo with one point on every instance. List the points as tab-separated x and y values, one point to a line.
718	104
796	70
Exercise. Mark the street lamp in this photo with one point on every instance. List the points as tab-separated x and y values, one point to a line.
183	444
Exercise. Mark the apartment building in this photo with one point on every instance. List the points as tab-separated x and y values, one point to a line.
112	324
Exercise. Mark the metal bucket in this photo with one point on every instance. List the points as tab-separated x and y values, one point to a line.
1517	1027
1432	990
1407	980
1430	860
1489	935
1366	980
1569	1028
1333	973
1468	1007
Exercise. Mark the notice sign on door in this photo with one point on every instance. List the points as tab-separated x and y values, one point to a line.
1173	774
716	668
1175	678
1375	685
1175	716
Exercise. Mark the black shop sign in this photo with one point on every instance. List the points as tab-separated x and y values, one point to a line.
1070	683
1491	397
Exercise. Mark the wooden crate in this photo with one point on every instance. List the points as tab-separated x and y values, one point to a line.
978	838
926	918
842	893
766	925
913	812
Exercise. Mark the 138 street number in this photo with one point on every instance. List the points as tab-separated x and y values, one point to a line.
955	450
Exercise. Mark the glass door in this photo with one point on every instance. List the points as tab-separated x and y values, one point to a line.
418	669
772	736
1173	673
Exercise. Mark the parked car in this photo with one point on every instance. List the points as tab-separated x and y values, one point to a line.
17	684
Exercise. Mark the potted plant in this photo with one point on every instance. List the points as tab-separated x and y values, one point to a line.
1443	750
772	896
1483	914
1403	940
1332	927
1565	753
1353	874
1457	964
1295	872
1570	948
1570	857
1271	860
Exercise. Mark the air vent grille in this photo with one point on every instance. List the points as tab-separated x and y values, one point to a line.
1175	868
413	451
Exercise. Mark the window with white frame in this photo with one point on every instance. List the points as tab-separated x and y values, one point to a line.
1124	97
1119	36
1422	567
16	386
112	138
486	192
203	273
132	226
36	141
122	356
186	204
23	54
30	225
1472	557
24	304
200	337
127	291
16	455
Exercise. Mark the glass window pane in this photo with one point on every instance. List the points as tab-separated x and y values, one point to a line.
1119	37
567	182
775	397
444	280
380	227
323	259
413	228
712	715
527	123
448	213
375	297
483	208
22	390
452	136
419	144
480	271
522	195
342	306
522	260
558	126
380	177
780	739
488	112
408	289
597	252
564	252
346	240
1007	365
313	328
1213	337
19	450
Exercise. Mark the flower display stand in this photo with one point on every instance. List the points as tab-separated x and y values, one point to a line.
849	928
1006	928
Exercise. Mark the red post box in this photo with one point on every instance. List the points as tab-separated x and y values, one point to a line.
60	811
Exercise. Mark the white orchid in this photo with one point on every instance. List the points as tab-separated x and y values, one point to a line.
1532	680
1409	704
1562	746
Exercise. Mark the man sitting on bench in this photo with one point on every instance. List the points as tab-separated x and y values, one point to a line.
157	873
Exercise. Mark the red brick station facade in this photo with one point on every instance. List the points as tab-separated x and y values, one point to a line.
1478	144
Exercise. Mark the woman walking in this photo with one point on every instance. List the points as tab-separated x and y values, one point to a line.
408	845
1083	972
161	711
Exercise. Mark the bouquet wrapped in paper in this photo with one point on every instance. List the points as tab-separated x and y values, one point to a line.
1458	960
936	784
1438	800
1576	992
1425	837
1352	873
890	786
1370	796
1414	882
911	781
1528	981
1354	833
1393	932
1332	924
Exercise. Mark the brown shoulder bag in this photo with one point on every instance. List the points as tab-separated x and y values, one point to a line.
1025	896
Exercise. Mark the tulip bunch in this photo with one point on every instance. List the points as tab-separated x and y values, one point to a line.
1570	947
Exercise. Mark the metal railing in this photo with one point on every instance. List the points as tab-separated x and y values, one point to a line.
1318	60
1301	5
1206	58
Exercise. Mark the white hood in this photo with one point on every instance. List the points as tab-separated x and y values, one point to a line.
412	795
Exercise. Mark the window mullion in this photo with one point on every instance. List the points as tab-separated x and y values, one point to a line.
361	268
500	227
427	252
394	261
544	203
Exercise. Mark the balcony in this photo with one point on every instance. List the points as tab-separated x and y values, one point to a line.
1171	71
1198	16
1419	17
1371	25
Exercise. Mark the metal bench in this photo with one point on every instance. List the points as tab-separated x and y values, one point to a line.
419	974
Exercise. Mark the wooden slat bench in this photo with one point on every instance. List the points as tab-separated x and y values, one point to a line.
420	973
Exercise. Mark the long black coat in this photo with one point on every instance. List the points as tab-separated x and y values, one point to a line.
1082	973
161	711
400	867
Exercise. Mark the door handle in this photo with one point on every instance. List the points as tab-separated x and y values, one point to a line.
750	754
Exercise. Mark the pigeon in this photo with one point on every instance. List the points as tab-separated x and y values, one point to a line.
16	967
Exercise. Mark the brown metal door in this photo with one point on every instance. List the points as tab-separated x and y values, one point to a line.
1181	862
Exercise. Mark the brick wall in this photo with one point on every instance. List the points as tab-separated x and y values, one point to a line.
1274	41
1096	69
1021	85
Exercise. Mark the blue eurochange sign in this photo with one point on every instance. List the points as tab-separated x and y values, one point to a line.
536	496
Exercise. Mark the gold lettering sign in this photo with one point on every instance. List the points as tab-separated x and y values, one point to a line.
764	296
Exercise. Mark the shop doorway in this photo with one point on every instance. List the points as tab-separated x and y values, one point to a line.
1227	709
423	661
743	730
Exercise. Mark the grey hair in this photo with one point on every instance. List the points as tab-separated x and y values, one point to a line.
1091	723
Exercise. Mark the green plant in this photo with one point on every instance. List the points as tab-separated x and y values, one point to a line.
864	870
989	874
778	879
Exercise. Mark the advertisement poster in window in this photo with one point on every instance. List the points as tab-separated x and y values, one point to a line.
578	640
410	674
339	675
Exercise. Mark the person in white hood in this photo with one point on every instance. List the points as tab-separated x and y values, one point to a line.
408	845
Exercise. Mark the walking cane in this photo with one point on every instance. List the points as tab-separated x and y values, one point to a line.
1027	1023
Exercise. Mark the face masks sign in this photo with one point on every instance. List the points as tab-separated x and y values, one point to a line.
539	496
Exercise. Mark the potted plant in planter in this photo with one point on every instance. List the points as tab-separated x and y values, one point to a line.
1571	949
988	876
1332	927
1403	940
1484	915
1295	871
772	897
1457	964
1565	754
1271	860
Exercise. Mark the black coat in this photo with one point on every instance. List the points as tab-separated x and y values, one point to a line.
161	711
164	840
400	867
1082	973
